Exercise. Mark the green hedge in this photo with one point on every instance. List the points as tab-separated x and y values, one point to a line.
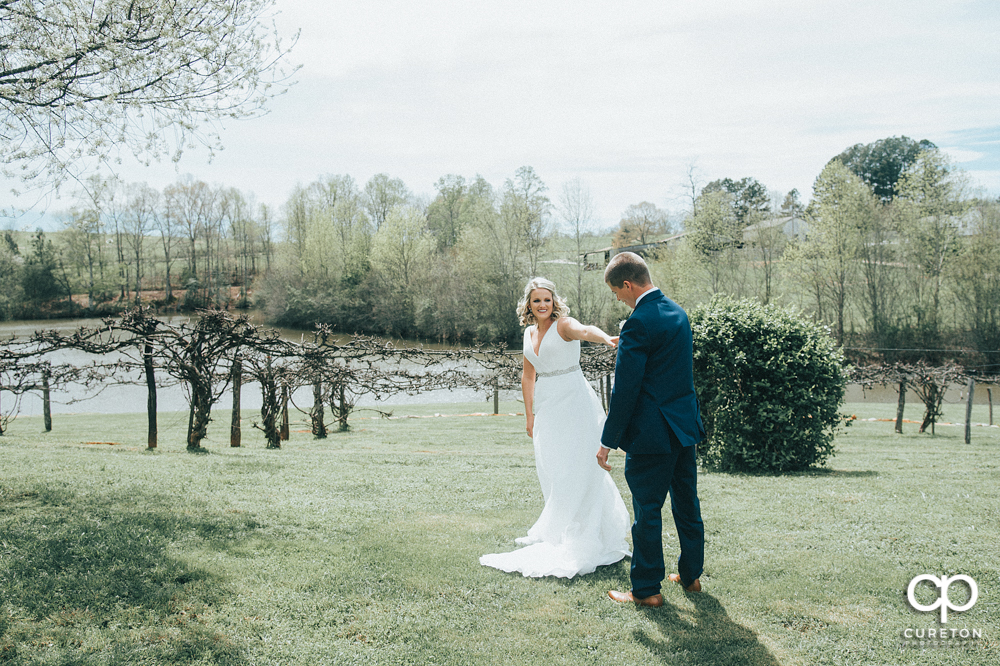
770	383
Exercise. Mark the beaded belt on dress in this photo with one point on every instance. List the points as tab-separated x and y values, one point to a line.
556	373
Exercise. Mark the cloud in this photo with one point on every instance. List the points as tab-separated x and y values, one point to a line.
624	96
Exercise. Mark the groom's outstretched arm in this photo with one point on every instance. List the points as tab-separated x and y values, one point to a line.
630	368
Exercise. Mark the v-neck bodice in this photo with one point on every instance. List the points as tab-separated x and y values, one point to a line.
554	353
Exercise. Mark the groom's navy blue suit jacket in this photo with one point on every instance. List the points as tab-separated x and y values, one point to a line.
654	384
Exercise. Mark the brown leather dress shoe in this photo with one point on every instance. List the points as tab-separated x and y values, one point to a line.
693	587
654	601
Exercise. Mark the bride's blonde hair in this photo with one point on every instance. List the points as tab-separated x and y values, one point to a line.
524	313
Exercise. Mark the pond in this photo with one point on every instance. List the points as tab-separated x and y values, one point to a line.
115	398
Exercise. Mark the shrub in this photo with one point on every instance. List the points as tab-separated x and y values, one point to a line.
770	384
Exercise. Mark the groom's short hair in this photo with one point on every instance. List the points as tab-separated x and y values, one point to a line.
627	266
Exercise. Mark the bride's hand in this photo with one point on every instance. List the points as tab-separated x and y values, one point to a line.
531	425
614	341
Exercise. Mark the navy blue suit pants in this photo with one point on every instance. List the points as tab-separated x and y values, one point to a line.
650	477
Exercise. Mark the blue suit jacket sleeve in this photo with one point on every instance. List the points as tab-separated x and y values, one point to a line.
630	366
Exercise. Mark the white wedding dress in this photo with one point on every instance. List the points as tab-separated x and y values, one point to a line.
584	522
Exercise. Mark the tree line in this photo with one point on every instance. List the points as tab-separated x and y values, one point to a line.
893	250
190	245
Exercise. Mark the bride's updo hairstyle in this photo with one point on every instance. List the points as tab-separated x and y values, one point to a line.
524	313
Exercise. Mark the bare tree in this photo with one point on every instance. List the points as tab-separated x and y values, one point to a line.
244	234
526	205
640	222
167	224
576	208
140	216
85	246
82	78
266	234
381	195
193	204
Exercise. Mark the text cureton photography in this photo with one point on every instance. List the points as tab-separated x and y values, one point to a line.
939	588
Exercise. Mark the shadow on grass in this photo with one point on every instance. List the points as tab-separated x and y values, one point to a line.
707	637
82	575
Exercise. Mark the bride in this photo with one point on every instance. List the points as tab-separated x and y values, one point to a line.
584	522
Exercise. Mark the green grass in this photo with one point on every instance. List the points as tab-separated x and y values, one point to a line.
363	549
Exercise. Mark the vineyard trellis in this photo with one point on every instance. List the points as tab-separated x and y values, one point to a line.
929	382
216	351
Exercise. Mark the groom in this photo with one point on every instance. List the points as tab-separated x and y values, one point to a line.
654	418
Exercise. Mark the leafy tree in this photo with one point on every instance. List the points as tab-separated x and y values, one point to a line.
975	273
343	206
81	78
879	263
839	205
11	267
401	251
881	163
448	213
748	197
495	261
326	257
930	201
39	281
381	195
714	233
296	221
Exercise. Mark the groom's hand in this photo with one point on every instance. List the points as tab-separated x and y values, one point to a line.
602	458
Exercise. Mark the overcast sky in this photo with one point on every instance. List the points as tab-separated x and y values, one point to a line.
624	95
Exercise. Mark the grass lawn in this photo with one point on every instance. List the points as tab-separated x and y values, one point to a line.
363	549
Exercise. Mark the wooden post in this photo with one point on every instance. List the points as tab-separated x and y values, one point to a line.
968	411
900	405
46	398
147	363
936	402
989	399
342	418
284	411
235	431
496	395
318	417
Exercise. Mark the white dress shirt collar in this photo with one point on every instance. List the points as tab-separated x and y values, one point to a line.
643	295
